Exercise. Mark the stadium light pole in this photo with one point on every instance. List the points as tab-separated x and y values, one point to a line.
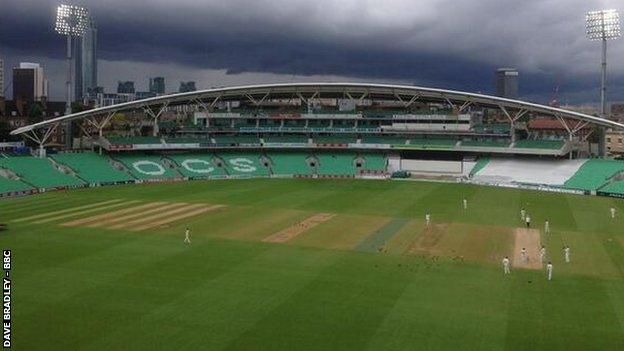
603	25
71	21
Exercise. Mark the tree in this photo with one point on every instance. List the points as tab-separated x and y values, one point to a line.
5	132
35	113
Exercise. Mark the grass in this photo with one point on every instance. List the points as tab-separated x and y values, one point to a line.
326	289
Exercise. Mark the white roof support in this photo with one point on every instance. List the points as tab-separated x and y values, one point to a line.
412	100
41	141
333	90
155	116
465	105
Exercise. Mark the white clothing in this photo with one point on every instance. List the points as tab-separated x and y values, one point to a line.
549	270
566	254
505	265
542	254
525	256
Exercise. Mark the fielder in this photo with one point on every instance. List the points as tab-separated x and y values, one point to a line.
187	236
525	255
522	214
427	219
547	227
549	269
566	254
506	265
465	204
542	254
612	212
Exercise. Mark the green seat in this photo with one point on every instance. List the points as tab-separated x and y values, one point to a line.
594	173
197	165
334	139
485	143
146	167
236	139
374	162
116	140
539	144
9	185
615	187
384	139
39	172
432	143
301	139
290	163
243	164
92	167
336	164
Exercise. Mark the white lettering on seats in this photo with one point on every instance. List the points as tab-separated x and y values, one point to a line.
188	164
139	166
242	165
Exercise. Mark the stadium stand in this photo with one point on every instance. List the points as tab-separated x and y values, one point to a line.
594	173
539	144
485	143
384	139
115	140
528	171
374	162
433	143
334	139
146	167
91	167
243	164
481	163
197	165
286	139
10	185
186	140
236	139
495	128
39	172
290	163
614	187
336	163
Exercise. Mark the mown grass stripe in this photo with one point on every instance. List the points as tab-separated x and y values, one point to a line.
379	238
66	210
79	213
615	251
114	214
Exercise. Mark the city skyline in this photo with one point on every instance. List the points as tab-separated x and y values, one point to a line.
462	55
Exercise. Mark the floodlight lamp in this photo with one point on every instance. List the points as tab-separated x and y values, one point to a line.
71	20
603	25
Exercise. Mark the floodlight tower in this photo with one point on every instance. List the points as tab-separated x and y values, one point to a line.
70	21
603	25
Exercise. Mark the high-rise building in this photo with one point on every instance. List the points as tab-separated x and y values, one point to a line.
507	83
86	61
186	87
29	82
126	87
1	78
157	85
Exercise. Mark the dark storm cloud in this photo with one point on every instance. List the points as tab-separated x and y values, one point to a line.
453	44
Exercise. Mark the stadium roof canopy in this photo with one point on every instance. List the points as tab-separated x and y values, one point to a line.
256	94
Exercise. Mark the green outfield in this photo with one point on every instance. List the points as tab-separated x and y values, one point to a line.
310	265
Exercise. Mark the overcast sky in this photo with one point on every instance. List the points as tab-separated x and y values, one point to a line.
453	44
